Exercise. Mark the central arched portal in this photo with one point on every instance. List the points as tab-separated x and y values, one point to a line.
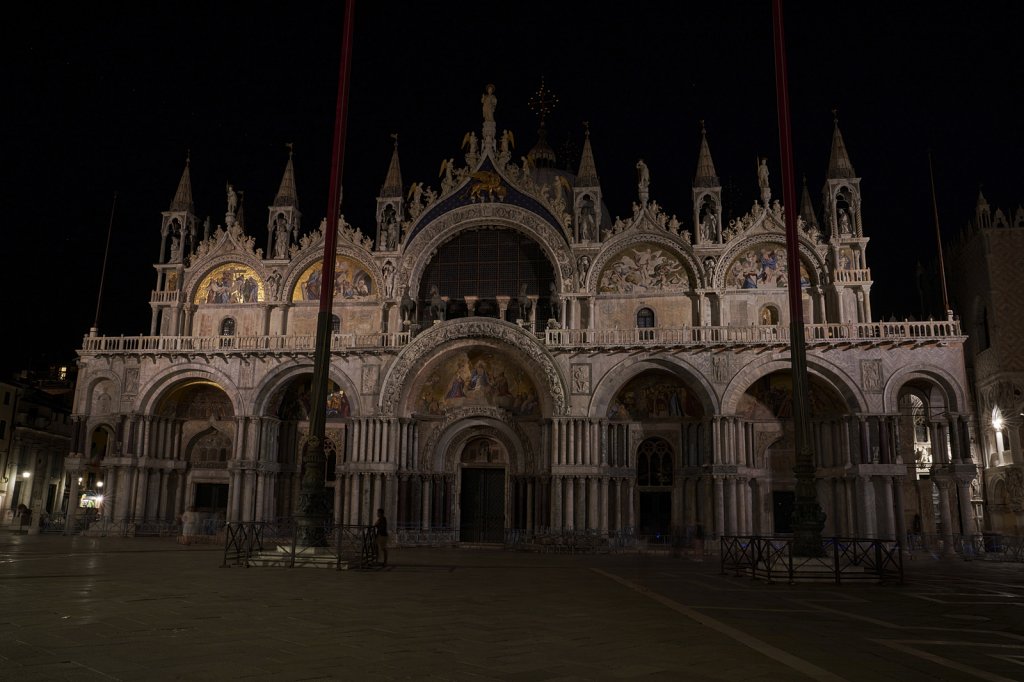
654	483
482	491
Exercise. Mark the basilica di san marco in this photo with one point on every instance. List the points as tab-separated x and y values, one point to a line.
511	359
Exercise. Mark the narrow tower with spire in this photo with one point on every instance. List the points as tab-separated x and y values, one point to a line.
177	241
284	220
849	297
390	205
587	198
707	197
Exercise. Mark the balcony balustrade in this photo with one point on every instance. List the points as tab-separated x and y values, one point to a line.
931	331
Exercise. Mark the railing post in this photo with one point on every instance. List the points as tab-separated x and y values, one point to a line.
835	559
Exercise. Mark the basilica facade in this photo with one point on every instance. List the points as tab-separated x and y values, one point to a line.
507	356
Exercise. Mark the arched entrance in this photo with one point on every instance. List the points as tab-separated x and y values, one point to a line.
654	483
482	491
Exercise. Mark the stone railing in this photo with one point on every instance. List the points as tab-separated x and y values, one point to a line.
165	297
303	343
853	275
815	334
755	334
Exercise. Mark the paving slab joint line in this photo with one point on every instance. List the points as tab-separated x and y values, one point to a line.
783	657
945	662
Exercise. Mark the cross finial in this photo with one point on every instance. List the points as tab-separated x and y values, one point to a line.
542	102
394	136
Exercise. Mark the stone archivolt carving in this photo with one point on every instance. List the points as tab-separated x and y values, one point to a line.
641	269
410	359
229	243
642	242
523	445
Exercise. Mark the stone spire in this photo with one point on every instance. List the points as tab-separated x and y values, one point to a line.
391	205
806	207
286	193
284	220
706	175
982	211
182	200
839	165
587	176
707	197
587	197
393	182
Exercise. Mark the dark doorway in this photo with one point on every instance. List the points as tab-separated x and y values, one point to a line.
783	502
655	514
211	497
483	505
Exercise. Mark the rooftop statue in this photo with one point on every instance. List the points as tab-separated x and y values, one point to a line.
489	102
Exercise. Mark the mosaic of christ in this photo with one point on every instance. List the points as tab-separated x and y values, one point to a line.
654	395
763	267
476	377
351	281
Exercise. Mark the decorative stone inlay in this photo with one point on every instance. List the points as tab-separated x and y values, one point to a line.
411	358
871	375
581	379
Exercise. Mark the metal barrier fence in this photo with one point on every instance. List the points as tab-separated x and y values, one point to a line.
624	540
988	546
842	559
276	543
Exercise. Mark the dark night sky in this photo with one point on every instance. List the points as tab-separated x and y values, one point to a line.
109	96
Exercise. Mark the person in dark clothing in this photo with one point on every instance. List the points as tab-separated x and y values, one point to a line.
381	524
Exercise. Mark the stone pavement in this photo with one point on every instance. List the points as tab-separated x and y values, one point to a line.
74	608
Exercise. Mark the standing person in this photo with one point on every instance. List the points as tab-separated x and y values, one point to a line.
381	524
189	521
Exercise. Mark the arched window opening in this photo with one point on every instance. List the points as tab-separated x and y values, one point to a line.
335	324
769	315
654	464
227	330
645	318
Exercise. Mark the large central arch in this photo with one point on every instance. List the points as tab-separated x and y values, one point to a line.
430	237
412	356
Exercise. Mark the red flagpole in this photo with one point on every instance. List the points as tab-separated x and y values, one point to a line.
808	519
312	513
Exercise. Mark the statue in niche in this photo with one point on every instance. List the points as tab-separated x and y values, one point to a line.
588	219
844	221
281	238
389	278
709	227
582	267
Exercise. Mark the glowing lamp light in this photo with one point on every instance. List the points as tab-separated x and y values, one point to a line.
26	474
99	500
99	484
997	419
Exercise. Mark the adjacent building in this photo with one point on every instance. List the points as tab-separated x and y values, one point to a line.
985	288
